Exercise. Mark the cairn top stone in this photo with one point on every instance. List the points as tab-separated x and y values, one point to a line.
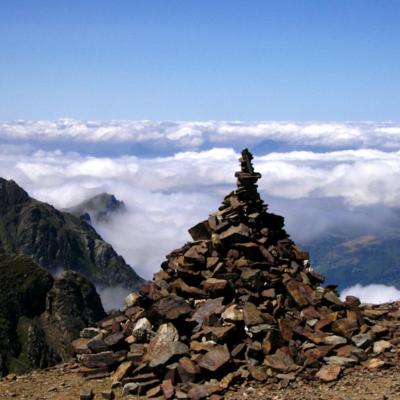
246	177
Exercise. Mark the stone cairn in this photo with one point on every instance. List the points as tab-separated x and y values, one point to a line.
239	303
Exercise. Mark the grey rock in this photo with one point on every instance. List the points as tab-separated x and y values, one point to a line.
99	360
165	345
361	340
130	388
343	361
334	340
86	394
89	333
108	395
142	329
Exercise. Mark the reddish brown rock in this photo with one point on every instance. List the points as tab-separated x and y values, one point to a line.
196	254
172	307
198	392
259	373
329	373
201	231
280	361
326	320
345	327
206	309
187	370
167	389
214	285
98	360
181	286
215	358
301	293
79	346
235	234
251	315
315	354
122	371
164	345
373	363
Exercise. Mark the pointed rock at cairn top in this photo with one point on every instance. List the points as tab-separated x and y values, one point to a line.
245	161
246	177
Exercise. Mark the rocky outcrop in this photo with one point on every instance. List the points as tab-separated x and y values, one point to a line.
58	241
99	208
40	315
71	304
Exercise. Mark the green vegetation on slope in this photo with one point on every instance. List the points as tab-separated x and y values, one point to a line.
363	259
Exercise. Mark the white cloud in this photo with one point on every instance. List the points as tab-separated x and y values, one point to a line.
360	177
206	134
374	294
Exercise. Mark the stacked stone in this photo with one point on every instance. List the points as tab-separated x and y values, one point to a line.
238	303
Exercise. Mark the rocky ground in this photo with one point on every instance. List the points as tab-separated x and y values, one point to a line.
64	383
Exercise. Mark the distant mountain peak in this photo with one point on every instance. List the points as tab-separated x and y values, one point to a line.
98	208
11	193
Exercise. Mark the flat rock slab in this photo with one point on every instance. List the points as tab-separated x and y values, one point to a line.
252	316
373	363
98	360
108	394
187	370
315	354
167	388
329	373
172	307
86	394
122	371
165	345
345	327
79	346
279	361
213	284
233	313
301	293
198	392
235	234
215	358
381	346
196	254
206	309
200	231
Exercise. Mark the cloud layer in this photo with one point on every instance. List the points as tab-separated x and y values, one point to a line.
344	175
197	135
360	177
374	294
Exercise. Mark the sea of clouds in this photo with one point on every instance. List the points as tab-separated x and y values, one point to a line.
320	176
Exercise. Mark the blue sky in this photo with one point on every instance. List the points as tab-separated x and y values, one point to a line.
186	60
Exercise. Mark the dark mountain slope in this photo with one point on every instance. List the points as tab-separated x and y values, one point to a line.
39	315
57	240
364	259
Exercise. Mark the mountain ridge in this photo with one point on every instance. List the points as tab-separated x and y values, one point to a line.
58	240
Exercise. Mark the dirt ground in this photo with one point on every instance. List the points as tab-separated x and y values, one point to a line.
64	383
